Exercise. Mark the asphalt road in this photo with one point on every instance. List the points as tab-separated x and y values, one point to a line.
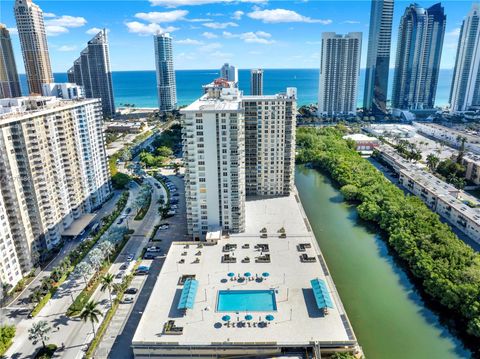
120	348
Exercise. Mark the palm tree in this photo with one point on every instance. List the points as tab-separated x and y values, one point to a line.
432	162
39	332
107	284
91	313
36	296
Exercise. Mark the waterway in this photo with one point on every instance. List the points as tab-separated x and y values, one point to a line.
388	316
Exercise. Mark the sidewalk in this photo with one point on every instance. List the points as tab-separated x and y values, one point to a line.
54	314
20	307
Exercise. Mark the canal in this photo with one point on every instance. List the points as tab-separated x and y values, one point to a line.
387	314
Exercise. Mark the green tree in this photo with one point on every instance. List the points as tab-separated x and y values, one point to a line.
91	313
107	284
39	332
432	162
164	151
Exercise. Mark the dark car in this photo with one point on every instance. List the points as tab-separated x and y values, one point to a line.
131	291
128	210
175	195
124	266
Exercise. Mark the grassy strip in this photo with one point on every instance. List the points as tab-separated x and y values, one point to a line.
50	293
84	296
109	315
143	211
77	255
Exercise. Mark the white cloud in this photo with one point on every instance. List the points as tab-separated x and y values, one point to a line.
49	14
209	35
66	48
53	30
159	17
12	30
237	15
147	29
94	31
57	25
198	20
210	47
258	37
283	15
454	32
178	3
189	42
219	25
350	22
66	21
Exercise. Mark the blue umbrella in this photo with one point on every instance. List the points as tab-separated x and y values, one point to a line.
247	274
248	317
226	318
269	317
231	274
265	274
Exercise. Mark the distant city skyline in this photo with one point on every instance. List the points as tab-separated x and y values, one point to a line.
249	33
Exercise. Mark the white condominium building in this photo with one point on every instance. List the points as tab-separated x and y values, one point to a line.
54	168
339	72
270	143
465	91
214	153
235	146
10	268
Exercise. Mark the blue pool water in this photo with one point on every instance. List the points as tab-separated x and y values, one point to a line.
246	301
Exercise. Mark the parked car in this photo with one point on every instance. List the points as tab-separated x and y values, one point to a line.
175	195
120	274
129	257
124	266
151	255
128	210
153	249
120	220
173	206
128	300
171	213
174	201
131	291
163	227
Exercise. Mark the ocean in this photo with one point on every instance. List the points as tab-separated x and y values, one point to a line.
139	87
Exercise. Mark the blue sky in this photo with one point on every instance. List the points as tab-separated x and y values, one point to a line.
207	33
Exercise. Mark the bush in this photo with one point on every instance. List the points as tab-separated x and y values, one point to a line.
446	268
7	333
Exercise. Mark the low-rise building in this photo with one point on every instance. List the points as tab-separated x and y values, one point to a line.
471	162
460	209
450	136
363	142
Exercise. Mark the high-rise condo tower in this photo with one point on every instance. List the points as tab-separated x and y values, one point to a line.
33	39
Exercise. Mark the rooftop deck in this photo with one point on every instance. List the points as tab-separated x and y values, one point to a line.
297	320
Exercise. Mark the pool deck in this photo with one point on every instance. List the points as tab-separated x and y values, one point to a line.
298	321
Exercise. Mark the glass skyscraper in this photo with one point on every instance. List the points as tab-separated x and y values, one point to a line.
166	85
378	57
465	92
419	49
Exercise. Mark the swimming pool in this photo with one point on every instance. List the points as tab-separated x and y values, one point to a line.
246	301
